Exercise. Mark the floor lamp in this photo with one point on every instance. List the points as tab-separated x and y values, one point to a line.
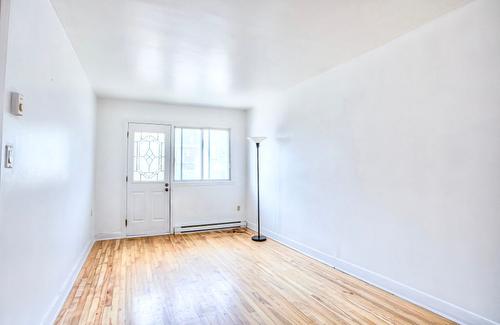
257	141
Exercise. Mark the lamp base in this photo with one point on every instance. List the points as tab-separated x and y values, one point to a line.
259	238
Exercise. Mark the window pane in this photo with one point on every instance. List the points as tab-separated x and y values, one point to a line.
149	157
191	154
201	154
218	154
206	156
177	154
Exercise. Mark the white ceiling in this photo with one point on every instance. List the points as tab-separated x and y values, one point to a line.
227	52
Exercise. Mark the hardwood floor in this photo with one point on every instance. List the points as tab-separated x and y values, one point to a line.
223	278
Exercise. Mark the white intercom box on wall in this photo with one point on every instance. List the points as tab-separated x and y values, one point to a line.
17	104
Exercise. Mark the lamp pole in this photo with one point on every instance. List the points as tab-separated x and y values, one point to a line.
258	237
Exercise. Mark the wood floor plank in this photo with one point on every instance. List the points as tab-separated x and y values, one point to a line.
223	278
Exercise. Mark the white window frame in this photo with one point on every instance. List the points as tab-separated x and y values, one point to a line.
202	158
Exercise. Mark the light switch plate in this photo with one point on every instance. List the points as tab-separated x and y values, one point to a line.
9	156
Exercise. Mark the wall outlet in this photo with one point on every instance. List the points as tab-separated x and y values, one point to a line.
17	104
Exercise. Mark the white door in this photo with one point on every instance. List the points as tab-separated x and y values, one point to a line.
148	179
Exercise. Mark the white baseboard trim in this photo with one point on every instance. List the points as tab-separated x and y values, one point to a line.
63	294
119	235
109	235
434	304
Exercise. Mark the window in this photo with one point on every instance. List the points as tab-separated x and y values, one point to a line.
202	154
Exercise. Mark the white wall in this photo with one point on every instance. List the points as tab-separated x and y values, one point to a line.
45	200
389	165
191	203
4	28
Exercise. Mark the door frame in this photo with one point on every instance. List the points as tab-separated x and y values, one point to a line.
127	177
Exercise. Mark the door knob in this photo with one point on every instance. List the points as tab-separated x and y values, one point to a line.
166	184
166	189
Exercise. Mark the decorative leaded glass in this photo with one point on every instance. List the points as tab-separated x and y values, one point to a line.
149	157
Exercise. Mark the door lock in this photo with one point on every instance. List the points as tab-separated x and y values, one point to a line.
166	187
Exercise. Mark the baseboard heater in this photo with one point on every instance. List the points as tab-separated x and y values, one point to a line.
210	226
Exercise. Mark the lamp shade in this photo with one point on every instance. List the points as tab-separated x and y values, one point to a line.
257	139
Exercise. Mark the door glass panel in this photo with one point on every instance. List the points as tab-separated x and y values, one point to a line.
149	157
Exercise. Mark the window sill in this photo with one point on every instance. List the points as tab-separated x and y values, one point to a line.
202	183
